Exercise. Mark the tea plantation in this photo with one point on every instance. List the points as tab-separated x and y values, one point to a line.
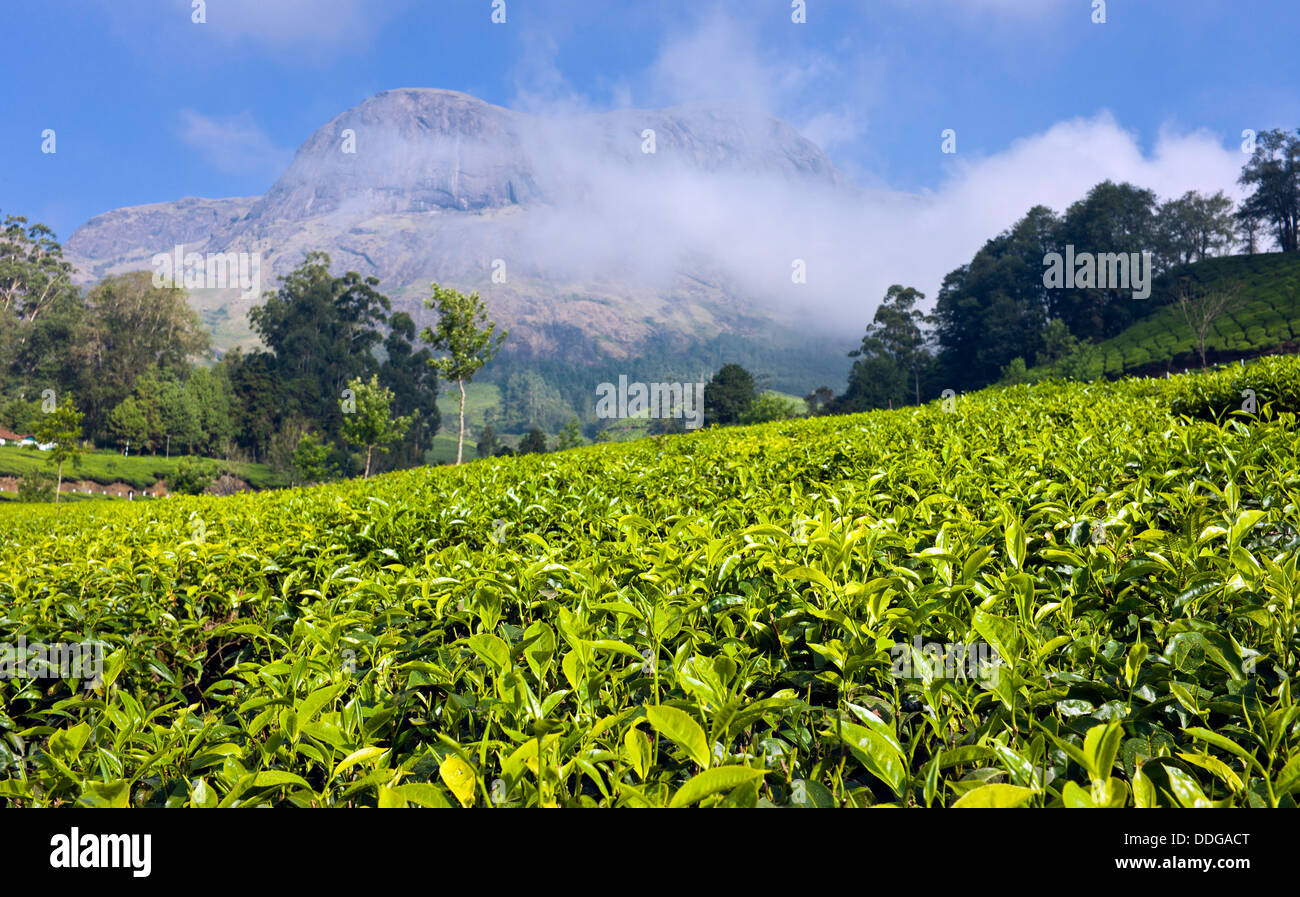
753	616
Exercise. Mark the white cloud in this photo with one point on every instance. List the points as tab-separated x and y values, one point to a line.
234	144
856	242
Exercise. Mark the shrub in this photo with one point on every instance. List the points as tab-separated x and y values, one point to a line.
192	476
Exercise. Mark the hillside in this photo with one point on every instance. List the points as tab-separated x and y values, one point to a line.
137	471
1061	595
1268	319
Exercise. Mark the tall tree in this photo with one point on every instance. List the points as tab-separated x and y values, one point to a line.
488	443
1194	227
133	325
992	309
896	335
1111	218
414	384
1273	171
533	443
128	423
469	344
41	311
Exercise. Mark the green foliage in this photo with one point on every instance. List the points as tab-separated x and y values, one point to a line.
192	476
1015	373
711	619
467	337
488	443
1267	317
1272	383
1273	173
368	420
36	485
534	442
60	429
311	460
570	436
768	407
136	471
728	394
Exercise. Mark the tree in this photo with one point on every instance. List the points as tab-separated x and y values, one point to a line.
1111	218
1195	227
992	309
488	443
61	429
322	331
728	394
1274	173
1248	230
1201	307
768	407
311	460
533	443
819	400
32	270
214	404
41	310
132	326
895	332
127	422
1015	373
414	384
370	423
192	476
570	436
1058	342
468	344
36	485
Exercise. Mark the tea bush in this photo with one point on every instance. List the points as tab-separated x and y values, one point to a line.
751	616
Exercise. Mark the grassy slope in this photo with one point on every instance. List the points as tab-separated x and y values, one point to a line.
1269	317
140	471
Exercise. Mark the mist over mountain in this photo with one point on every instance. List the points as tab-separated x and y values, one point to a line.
613	231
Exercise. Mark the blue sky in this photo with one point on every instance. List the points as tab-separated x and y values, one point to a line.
148	106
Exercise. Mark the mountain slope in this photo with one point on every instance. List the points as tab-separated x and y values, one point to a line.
598	247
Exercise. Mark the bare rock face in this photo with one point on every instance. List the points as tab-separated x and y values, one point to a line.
416	185
134	234
411	151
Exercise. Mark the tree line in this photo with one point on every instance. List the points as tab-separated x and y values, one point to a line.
138	365
994	316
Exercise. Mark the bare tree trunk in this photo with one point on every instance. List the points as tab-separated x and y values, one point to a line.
366	475
58	486
460	439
